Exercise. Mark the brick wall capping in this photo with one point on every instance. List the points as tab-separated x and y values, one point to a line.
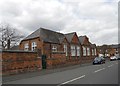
59	52
17	51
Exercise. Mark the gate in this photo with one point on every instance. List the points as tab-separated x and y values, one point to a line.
44	65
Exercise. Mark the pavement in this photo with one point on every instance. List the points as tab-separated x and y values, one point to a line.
40	73
79	74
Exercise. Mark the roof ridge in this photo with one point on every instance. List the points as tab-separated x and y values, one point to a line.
50	30
70	33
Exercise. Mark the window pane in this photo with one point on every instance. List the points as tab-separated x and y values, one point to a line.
84	51
78	51
92	51
73	50
88	51
34	46
26	46
65	49
54	48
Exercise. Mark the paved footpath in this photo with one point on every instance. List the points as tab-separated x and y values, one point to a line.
91	74
40	73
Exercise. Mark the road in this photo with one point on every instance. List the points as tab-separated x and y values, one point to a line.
92	74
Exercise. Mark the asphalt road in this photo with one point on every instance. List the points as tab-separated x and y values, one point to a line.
92	74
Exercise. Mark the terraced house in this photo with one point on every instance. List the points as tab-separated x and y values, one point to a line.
49	42
46	42
58	45
89	50
60	50
74	46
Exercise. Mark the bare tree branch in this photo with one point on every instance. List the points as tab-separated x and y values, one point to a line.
9	36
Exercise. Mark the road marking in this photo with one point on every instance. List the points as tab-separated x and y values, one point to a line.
110	65
99	70
96	65
72	80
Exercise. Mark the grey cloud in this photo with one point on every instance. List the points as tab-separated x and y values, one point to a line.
84	17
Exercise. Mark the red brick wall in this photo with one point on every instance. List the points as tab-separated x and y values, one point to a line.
58	58
37	40
75	39
19	61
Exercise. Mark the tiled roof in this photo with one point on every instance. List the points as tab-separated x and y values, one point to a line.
69	36
81	39
46	35
33	35
93	45
115	46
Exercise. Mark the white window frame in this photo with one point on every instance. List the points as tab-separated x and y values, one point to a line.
65	49
73	51
78	50
88	51
93	53
34	46
84	51
26	47
54	48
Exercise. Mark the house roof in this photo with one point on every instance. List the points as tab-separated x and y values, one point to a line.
81	39
115	46
92	45
47	35
69	36
33	35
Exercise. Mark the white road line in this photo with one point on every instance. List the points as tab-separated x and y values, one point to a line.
71	80
110	65
99	70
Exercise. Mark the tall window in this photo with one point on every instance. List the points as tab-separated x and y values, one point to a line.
26	47
73	50
34	46
78	51
65	49
84	51
93	52
54	48
88	51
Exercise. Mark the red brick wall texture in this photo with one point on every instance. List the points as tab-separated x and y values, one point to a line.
18	62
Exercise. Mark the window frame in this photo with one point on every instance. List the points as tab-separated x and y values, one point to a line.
84	51
93	52
65	49
78	50
73	50
33	46
54	48
26	46
88	51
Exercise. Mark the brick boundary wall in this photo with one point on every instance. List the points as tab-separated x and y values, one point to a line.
58	59
15	62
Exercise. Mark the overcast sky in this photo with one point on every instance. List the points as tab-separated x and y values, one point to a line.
97	19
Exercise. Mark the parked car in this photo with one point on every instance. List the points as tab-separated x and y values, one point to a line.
113	58
98	60
118	58
103	59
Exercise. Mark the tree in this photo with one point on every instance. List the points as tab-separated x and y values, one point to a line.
9	36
